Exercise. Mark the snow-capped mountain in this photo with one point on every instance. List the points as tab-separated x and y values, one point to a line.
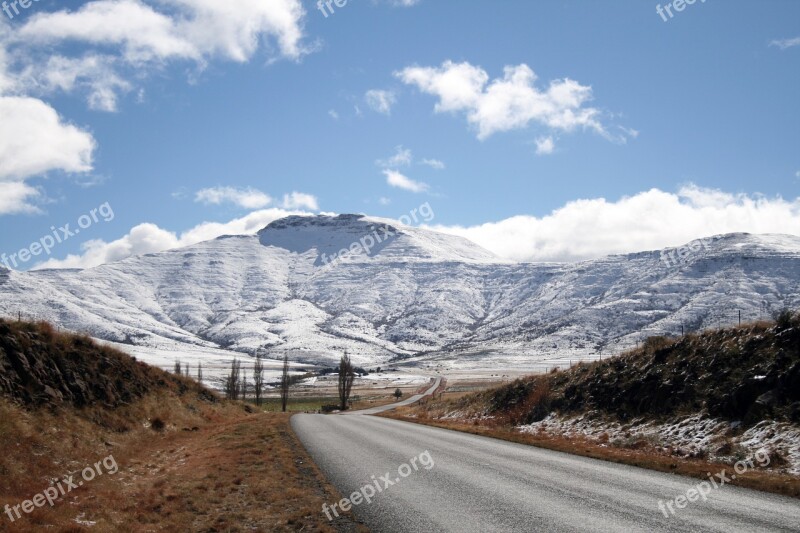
313	287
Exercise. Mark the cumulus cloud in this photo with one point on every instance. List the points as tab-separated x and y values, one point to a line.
16	197
182	29
35	140
396	179
150	238
249	198
512	102
121	40
581	229
104	49
246	198
299	200
650	220
380	101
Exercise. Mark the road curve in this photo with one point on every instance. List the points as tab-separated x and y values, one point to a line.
408	401
485	485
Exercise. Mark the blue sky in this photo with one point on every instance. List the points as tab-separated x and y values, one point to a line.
548	130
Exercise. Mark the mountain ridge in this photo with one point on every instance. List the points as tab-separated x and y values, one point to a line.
421	292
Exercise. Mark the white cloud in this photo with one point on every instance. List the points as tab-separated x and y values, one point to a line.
380	101
396	179
35	140
545	146
149	238
402	157
783	44
582	229
508	103
185	29
299	200
94	73
247	198
103	49
433	163
384	201
650	220
16	196
7	83
333	114
122	40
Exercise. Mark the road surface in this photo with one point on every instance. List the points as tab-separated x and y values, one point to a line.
409	401
485	485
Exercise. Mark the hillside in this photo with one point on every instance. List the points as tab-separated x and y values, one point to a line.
716	397
116	445
416	293
41	367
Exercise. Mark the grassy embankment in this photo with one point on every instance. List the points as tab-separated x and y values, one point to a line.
742	376
186	460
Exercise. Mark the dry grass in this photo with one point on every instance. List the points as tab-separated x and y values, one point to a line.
212	467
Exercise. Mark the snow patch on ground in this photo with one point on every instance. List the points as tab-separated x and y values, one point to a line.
693	436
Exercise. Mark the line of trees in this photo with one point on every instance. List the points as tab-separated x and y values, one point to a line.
181	370
236	386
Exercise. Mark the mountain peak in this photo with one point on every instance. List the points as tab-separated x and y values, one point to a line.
360	237
348	220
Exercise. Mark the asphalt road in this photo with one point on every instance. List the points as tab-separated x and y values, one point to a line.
484	485
408	401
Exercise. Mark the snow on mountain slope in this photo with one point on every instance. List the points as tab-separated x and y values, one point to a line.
412	291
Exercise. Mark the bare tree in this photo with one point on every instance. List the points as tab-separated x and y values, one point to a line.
243	386
285	383
258	378
200	373
346	377
232	381
178	367
186	371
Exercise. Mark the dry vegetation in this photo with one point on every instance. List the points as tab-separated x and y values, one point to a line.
187	460
744	375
